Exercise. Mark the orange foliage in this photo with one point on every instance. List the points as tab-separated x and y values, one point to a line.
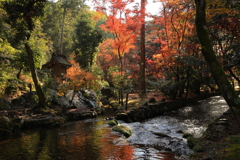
79	78
106	56
124	34
123	23
172	32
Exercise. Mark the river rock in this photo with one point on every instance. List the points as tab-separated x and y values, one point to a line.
113	122
126	131
82	99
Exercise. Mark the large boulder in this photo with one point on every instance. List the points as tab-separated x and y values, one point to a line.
79	101
83	99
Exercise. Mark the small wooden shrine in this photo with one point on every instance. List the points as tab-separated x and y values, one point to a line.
58	64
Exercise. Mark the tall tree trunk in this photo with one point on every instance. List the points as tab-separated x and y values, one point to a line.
216	69
142	49
40	94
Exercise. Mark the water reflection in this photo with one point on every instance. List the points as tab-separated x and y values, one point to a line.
93	139
82	140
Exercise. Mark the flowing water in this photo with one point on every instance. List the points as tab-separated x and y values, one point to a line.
93	139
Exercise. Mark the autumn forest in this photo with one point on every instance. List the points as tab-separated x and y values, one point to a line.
73	49
117	46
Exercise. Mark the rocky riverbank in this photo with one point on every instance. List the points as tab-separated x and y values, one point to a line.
220	141
149	110
221	138
20	113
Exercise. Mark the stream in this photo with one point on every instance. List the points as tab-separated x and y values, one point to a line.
93	139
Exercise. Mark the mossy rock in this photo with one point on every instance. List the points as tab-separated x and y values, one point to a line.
113	122
126	131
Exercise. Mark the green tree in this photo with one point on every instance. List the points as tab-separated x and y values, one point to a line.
216	69
87	38
59	25
22	16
